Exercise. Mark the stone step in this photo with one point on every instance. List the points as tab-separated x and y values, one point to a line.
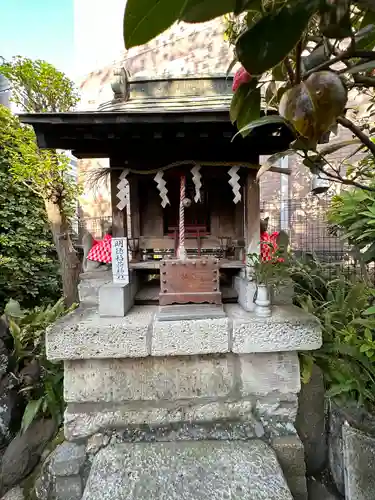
193	470
190	311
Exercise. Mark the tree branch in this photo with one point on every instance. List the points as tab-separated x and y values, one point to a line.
289	70
298	62
365	139
341	56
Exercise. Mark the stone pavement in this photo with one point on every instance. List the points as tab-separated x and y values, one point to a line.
187	471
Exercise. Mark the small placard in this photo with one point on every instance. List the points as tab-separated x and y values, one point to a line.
120	260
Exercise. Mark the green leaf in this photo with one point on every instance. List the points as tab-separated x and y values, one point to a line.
367	66
250	109
269	41
316	57
13	309
231	66
145	19
200	11
365	37
370	311
239	98
265	120
335	19
30	413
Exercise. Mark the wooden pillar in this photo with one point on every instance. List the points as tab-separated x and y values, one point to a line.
119	222
252	213
135	224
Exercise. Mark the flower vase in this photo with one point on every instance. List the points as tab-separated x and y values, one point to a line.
263	302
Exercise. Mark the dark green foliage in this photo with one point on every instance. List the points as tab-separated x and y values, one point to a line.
40	381
28	263
343	307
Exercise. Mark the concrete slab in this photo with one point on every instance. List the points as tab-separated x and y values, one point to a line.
190	311
188	471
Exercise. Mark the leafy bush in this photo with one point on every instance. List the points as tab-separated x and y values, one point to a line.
29	271
40	380
343	307
353	212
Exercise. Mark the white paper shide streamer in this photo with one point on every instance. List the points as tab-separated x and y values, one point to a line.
233	181
122	190
162	188
197	182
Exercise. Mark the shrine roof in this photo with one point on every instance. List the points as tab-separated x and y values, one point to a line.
184	110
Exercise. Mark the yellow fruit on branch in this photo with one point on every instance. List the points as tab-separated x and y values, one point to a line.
314	105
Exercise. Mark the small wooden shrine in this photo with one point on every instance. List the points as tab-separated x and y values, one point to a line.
189	186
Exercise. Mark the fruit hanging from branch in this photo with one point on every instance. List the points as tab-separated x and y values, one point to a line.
314	105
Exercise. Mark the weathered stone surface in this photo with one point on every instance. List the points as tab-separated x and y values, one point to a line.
357	417
359	464
84	420
68	488
96	443
88	288
67	459
246	292
265	373
4	358
187	337
11	405
83	334
190	311
192	471
23	453
5	334
288	329
311	422
14	494
224	430
318	491
290	454
147	379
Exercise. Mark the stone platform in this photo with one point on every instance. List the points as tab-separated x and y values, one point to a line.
83	334
217	383
187	471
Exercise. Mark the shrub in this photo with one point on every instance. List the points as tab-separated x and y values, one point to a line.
29	271
40	380
343	308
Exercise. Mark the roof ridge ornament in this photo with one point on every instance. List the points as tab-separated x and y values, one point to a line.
121	84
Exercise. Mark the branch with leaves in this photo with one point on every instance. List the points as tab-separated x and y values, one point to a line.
301	57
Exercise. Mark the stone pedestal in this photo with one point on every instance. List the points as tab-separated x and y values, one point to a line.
229	378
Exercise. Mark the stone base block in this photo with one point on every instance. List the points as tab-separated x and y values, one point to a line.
115	300
190	311
246	292
188	337
192	471
260	389
183	378
90	283
288	329
85	334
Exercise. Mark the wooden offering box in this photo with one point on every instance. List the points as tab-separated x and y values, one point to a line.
189	280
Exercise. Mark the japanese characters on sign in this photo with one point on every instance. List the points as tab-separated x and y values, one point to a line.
120	260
